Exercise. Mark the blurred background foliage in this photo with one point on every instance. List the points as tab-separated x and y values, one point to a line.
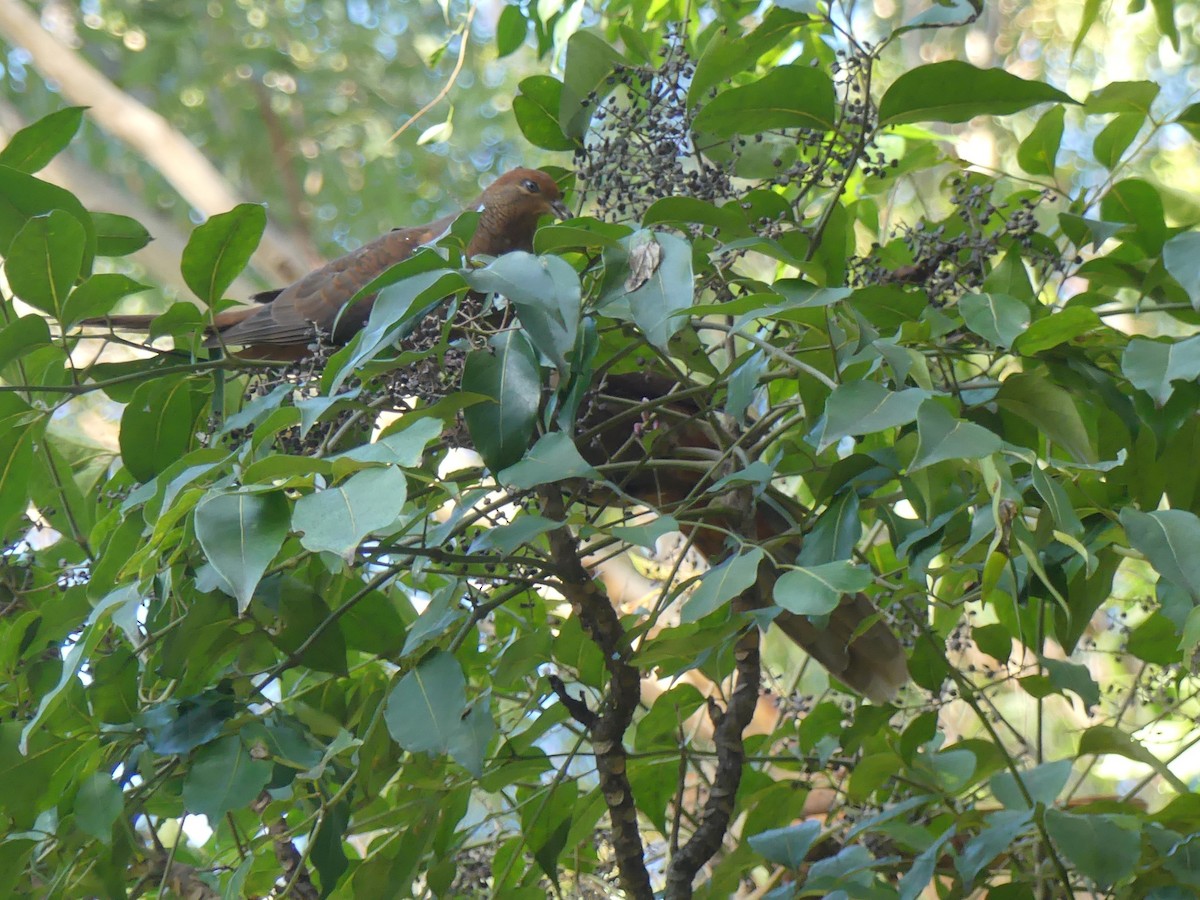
294	103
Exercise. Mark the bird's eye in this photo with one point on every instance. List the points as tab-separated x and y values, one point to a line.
530	185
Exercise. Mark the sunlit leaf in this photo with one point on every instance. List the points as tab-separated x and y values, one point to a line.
240	535
31	148
44	260
817	590
337	518
721	584
955	91
786	97
218	250
553	458
546	293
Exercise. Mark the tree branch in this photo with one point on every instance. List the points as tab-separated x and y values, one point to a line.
603	627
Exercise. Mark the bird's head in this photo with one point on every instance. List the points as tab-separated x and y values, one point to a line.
509	211
526	193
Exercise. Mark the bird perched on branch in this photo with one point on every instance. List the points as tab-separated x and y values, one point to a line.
855	644
285	322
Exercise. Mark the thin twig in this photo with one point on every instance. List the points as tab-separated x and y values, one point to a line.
462	56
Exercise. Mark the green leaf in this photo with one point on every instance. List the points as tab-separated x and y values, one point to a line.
157	426
95	628
511	29
1057	501
297	620
553	458
1091	11
328	852
240	535
223	777
1043	783
786	97
922	870
505	539
817	590
1095	232
179	726
1122	97
219	249
835	534
1168	538
31	148
98	803
1101	739
1139	203
1038	153
546	293
787	846
469	741
1112	142
1057	328
424	710
828	875
729	218
1190	119
1035	398
22	197
721	584
865	407
536	108
645	535
955	91
1156	640
1103	847
660	285
118	235
940	436
97	296
590	60
1181	256
508	375
45	259
1003	829
1065	676
338	518
1151	365
1164	17
22	336
400	302
731	51
17	441
402	447
994	640
997	318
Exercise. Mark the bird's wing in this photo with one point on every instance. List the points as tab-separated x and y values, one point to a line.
317	299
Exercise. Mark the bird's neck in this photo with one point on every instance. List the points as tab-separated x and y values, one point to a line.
502	230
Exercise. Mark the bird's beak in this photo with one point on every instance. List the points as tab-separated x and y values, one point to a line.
560	210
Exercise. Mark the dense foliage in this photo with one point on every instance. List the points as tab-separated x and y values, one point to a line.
289	606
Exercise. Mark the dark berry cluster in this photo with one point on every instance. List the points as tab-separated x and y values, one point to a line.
953	256
642	144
